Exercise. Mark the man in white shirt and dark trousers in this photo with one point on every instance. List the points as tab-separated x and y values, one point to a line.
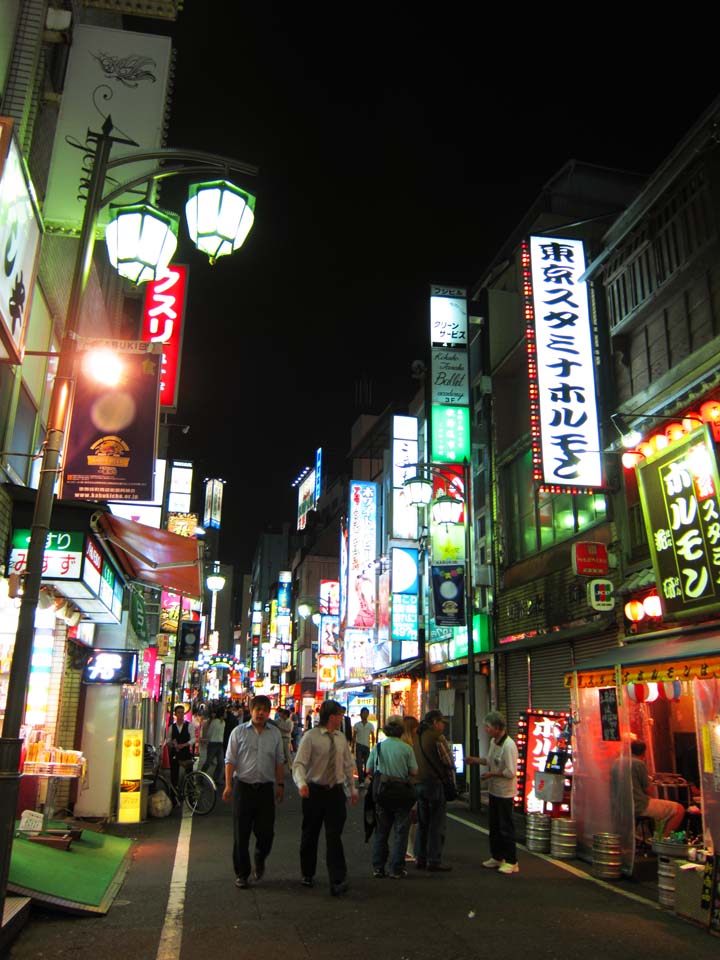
254	772
323	771
363	740
502	787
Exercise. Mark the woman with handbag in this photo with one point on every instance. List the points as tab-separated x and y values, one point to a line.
392	763
435	785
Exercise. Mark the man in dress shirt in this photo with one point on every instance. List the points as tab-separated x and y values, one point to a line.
323	771
254	770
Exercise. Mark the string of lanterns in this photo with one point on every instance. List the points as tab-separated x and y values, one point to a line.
709	413
637	610
649	692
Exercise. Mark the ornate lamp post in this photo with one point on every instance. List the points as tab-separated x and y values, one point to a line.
448	510
141	241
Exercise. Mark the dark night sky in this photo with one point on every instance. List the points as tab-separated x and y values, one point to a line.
393	153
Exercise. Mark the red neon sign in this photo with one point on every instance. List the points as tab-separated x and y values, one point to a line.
163	315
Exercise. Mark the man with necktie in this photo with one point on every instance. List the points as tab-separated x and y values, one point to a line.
323	773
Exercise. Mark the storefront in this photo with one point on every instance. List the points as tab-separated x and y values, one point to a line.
666	692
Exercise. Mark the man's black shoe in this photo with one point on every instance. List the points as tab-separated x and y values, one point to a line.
308	882
242	882
259	870
338	889
438	868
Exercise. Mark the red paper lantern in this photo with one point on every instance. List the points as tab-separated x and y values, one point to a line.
652	605
638	692
669	690
634	610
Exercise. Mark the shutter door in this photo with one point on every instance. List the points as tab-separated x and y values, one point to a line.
585	648
516	688
548	666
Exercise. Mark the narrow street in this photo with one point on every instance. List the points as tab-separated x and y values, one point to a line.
546	911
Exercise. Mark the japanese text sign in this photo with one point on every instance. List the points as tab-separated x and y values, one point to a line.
62	557
362	552
679	497
163	314
564	417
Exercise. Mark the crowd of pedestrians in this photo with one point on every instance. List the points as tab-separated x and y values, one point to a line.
406	778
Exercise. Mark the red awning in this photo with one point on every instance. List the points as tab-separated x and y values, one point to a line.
157	557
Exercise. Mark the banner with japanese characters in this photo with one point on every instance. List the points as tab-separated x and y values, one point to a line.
679	498
561	366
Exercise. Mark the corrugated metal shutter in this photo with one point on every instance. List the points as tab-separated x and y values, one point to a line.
516	688
548	666
585	648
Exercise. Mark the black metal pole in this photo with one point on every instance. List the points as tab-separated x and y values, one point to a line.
10	744
473	770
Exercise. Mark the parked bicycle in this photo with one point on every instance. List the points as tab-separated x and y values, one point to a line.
195	789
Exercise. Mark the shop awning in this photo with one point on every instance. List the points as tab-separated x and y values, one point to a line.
676	658
157	557
415	667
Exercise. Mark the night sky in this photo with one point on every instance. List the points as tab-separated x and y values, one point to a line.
395	151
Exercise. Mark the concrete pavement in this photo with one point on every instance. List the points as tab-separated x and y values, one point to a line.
178	902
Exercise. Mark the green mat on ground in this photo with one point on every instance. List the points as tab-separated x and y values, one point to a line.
87	874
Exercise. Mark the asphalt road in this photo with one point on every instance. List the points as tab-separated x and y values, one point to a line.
542	912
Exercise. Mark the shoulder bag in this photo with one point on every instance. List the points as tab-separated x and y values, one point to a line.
448	783
392	793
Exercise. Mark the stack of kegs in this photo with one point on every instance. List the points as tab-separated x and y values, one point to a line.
606	856
537	832
563	838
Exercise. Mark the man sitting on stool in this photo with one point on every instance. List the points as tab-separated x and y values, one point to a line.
665	812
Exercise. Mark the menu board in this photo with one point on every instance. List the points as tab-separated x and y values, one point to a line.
609	722
131	768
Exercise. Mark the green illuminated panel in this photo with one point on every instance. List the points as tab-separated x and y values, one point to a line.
450	434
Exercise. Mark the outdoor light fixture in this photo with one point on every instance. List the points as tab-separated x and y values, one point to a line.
141	241
304	610
215	581
419	491
630	437
447	510
105	366
219	217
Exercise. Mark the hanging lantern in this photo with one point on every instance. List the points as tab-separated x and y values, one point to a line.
646	449
691	421
675	431
710	412
638	692
141	241
634	611
631	458
447	510
658	442
652	605
418	491
669	690
219	217
653	693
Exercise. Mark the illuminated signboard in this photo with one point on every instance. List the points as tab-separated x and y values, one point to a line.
162	322
358	651
213	503
20	232
329	634
450	434
111	666
183	524
61	559
330	597
450	376
306	499
404	583
327	671
561	364
679	497
448	317
344	562
362	551
181	477
404	467
541	733
131	772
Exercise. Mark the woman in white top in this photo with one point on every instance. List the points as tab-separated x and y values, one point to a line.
214	732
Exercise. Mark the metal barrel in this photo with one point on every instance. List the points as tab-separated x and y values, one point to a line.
537	832
563	838
666	882
606	862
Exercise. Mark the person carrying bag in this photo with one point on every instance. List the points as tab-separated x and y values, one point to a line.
391	763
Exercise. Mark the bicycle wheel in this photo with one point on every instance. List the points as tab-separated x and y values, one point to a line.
199	793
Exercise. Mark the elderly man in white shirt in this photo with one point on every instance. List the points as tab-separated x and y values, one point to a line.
323	772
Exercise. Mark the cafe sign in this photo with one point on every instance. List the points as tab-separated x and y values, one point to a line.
679	497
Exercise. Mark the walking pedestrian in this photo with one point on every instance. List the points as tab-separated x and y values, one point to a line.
363	739
394	760
284	725
410	725
323	772
181	742
214	732
435	767
501	778
254	772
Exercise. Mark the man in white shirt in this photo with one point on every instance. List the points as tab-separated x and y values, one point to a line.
254	770
323	771
363	740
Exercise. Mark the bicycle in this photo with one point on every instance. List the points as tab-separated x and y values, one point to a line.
196	790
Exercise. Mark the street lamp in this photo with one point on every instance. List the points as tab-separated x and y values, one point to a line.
448	510
137	264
